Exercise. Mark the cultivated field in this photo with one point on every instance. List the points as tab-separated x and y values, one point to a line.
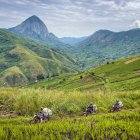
67	121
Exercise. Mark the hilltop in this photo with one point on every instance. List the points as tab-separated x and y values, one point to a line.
34	28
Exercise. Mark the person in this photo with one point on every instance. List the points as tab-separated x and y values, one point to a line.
118	104
37	118
92	107
41	116
46	112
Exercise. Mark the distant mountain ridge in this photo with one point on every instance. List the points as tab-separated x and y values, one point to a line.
92	51
34	28
107	36
105	45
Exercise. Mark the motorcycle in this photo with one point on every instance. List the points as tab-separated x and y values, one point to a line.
115	109
88	111
35	120
38	119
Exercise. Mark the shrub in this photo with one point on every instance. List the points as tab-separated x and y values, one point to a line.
81	77
40	77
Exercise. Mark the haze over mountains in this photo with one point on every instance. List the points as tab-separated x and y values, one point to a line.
72	40
29	52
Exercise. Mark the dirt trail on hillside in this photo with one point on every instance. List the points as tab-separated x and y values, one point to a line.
4	114
132	60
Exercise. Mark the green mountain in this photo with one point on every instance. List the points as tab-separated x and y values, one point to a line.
116	75
91	51
23	61
105	46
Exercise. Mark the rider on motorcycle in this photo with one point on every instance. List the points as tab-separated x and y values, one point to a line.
92	108
117	106
45	113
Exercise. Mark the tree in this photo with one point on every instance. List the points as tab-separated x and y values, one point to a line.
81	77
92	73
40	77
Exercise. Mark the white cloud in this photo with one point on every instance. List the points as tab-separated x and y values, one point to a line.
73	17
137	23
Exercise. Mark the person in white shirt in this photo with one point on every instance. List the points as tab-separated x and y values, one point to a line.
118	104
46	112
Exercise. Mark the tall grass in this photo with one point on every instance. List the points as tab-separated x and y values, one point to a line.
124	125
118	126
29	101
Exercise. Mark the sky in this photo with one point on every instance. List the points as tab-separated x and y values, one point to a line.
73	18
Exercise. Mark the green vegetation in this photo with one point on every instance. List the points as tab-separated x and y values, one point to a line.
104	46
91	51
117	75
30	59
12	74
120	126
124	125
29	101
71	94
45	77
24	61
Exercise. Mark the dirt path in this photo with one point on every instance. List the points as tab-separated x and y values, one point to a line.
132	60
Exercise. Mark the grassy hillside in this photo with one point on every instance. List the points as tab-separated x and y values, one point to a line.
32	61
116	75
12	76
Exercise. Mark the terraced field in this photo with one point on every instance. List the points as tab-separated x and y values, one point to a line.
115	75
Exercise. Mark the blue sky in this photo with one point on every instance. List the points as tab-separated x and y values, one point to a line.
73	17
